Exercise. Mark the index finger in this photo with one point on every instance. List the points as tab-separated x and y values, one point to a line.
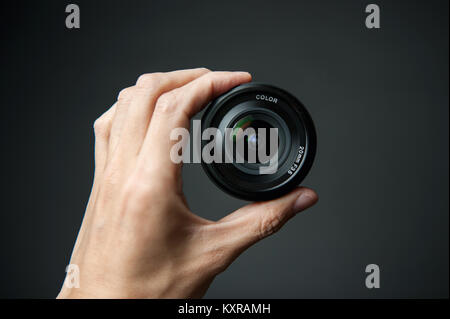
174	110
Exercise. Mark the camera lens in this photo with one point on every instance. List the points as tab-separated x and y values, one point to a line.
267	144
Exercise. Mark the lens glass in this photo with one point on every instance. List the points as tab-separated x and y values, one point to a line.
247	132
252	136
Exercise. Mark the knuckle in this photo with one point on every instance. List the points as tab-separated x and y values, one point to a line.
204	69
141	92
208	83
209	79
126	93
101	127
270	223
166	104
149	80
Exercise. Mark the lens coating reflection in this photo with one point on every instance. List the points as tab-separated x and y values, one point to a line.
250	138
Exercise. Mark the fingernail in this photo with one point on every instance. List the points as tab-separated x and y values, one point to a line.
303	202
243	72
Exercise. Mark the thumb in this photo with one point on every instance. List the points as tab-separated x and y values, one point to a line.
256	221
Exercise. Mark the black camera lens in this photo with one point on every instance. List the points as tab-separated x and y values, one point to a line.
267	144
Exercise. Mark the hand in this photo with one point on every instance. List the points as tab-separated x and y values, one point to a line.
138	238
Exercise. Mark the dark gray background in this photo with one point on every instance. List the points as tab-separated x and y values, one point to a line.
379	99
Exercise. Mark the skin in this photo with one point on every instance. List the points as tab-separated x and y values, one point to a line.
139	238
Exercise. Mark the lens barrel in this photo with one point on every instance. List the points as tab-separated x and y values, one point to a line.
257	105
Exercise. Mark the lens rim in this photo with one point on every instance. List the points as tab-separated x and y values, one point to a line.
218	108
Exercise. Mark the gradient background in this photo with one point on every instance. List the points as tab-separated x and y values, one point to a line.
379	99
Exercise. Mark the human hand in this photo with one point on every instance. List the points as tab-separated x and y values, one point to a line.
138	238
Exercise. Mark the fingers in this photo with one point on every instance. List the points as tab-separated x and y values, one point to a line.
148	88
175	108
256	221
102	130
123	101
191	98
